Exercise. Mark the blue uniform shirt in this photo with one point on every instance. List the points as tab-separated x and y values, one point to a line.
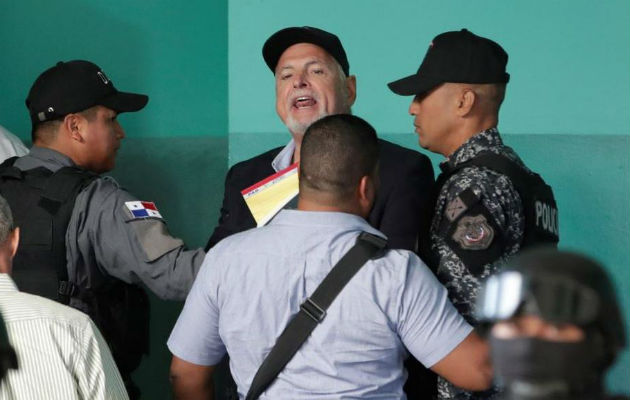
252	283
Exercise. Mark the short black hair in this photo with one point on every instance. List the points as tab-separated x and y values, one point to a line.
337	151
46	131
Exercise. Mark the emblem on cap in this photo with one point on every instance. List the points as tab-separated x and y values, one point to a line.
103	77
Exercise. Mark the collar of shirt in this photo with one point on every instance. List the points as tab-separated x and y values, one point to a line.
477	143
7	284
335	220
44	157
284	158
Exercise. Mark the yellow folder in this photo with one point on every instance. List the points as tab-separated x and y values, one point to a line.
267	197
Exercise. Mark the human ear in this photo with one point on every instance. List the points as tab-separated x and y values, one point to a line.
466	101
351	87
367	194
73	124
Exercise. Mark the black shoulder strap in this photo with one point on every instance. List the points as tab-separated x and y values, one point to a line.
486	159
63	186
9	161
61	189
7	170
501	164
313	311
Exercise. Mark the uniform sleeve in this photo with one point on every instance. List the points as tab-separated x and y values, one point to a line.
483	219
104	234
195	337
428	324
96	370
404	214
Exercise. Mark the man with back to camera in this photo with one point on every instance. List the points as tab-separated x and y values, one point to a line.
252	283
312	80
489	204
555	326
86	241
59	351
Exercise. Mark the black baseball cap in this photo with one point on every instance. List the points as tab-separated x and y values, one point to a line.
74	86
285	38
456	57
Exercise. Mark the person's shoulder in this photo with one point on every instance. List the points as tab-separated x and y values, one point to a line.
481	180
250	171
26	306
397	268
102	186
255	162
235	243
397	260
101	195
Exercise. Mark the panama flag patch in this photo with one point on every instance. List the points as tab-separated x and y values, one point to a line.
143	209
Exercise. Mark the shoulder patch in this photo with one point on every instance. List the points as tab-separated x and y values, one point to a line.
143	209
455	208
473	233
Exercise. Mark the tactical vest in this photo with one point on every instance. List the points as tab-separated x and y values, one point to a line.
42	203
539	205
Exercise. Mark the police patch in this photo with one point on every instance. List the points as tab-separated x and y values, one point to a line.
455	208
473	233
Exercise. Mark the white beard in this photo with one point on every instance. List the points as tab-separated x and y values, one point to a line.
299	128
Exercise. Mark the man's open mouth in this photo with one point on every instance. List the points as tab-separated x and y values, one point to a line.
304	101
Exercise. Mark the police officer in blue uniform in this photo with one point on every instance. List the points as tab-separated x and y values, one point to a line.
487	202
86	241
555	326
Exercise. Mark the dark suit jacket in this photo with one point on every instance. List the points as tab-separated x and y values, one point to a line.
403	208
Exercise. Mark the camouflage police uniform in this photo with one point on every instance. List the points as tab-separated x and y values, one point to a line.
471	241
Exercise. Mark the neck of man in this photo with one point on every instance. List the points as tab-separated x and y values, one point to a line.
59	147
298	145
468	128
324	203
54	145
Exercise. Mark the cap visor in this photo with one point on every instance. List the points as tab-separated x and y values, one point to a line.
413	85
125	102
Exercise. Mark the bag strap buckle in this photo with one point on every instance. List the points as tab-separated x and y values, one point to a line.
315	312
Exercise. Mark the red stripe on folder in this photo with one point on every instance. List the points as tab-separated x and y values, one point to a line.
269	179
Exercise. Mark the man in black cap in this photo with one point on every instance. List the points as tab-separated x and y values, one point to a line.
555	326
85	241
489	204
313	80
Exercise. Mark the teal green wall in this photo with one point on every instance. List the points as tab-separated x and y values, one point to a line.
175	152
569	59
567	110
173	51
